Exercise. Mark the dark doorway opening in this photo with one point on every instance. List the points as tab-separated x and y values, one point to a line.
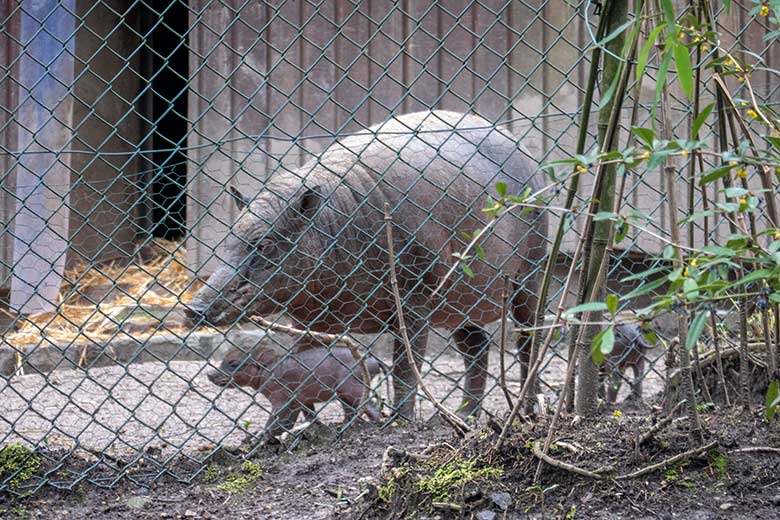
165	62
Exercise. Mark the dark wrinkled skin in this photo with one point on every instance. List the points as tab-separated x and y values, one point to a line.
312	243
295	382
629	351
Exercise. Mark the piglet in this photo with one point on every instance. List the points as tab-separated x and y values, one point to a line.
629	351
294	382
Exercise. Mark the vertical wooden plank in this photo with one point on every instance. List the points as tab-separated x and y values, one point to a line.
284	75
249	93
456	59
40	221
210	110
228	104
318	58
386	51
526	68
421	65
491	78
353	66
10	20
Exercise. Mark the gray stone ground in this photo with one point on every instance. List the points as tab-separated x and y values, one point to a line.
171	408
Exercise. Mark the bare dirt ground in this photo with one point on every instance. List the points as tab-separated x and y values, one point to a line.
322	480
143	442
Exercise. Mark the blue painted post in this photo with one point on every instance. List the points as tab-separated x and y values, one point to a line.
45	117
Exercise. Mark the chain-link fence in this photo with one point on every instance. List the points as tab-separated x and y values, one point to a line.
129	270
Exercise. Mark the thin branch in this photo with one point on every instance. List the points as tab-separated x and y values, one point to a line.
663	423
668	462
537	451
460	427
502	343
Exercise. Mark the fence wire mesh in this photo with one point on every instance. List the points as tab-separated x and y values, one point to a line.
128	286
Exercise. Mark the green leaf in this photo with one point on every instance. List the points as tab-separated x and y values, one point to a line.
612	304
682	58
614	34
646	135
644	54
735	192
774	297
501	189
715	174
774	141
691	289
607	97
695	330
697	216
772	399
622	231
467	270
650	336
668	253
603	344
646	288
700	119
668	12
480	251
644	274
761	274
604	215
718	251
587	307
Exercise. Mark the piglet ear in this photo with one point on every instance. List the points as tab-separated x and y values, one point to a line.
239	198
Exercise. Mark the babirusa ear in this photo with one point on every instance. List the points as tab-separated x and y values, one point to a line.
309	202
239	198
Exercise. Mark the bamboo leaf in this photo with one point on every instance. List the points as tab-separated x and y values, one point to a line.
700	119
695	330
646	135
644	289
761	274
587	307
668	8
612	304
682	58
715	174
772	399
644	54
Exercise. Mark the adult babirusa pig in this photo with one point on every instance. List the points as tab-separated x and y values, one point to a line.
313	242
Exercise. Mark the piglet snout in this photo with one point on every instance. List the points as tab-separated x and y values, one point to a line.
218	377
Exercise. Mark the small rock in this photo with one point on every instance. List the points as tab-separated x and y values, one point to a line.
501	500
486	515
189	513
725	506
137	502
775	500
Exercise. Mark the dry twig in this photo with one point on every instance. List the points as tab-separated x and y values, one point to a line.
663	423
456	422
537	451
668	462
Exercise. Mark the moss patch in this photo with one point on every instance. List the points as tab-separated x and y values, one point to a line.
17	464
240	481
454	475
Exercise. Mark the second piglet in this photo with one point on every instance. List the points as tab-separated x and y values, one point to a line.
295	381
629	351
